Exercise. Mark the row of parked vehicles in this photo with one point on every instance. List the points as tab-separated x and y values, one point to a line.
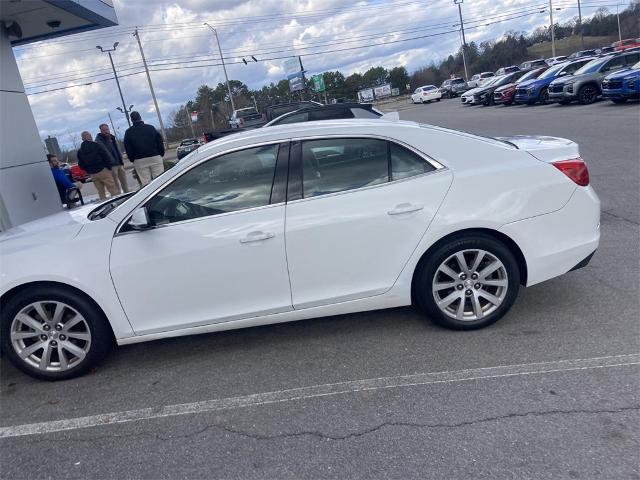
584	76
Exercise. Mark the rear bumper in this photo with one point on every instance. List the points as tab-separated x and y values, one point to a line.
560	241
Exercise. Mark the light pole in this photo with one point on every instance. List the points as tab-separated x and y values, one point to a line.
553	37
464	41
125	111
215	32
108	51
618	15
580	26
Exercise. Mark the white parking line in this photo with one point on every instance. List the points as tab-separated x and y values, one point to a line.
316	391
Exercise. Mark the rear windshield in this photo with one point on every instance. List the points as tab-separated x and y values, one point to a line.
246	113
188	142
457	80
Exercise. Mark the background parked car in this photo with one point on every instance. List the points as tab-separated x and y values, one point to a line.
327	112
480	78
505	94
78	174
469	97
505	70
606	50
583	53
425	94
626	44
537	90
584	85
245	118
622	85
453	87
556	60
187	146
274	111
531	64
484	94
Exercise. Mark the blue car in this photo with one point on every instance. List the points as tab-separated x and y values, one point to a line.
621	86
536	90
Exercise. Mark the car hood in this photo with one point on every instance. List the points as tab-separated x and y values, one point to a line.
57	228
624	74
502	88
472	91
534	82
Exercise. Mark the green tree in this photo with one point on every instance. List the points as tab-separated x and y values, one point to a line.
375	76
398	78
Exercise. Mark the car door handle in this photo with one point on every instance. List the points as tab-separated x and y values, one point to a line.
405	208
257	237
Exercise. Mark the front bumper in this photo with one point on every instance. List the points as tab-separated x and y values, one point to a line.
562	93
468	100
504	97
525	95
557	242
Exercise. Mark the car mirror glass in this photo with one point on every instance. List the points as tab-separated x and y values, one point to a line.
140	219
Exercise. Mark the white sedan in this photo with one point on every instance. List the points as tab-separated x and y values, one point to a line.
426	94
294	222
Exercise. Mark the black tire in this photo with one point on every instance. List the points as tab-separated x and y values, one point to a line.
102	339
587	94
543	98
437	99
428	268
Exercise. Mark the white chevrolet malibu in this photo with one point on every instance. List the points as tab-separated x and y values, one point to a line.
299	221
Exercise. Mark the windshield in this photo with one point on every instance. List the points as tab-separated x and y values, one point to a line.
591	66
552	71
530	75
636	65
493	81
429	87
188	142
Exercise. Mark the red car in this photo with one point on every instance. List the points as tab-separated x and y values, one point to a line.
505	94
626	44
78	174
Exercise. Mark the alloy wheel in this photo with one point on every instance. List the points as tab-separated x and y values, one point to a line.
51	336
470	284
588	95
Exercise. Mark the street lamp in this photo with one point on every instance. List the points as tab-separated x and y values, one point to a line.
215	32
108	51
252	58
464	41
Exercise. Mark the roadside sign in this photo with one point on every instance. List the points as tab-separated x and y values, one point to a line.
194	116
318	83
296	82
366	95
382	91
395	92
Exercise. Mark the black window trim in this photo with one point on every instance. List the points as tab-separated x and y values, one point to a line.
279	143
294	191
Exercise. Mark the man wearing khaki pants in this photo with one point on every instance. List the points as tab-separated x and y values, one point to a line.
145	148
94	159
109	142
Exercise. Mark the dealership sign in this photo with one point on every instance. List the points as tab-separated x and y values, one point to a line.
382	91
318	83
293	68
366	95
194	116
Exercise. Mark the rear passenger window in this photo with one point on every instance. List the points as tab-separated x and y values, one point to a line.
632	59
405	163
336	165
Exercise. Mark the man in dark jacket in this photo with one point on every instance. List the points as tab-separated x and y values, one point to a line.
145	148
94	159
109	142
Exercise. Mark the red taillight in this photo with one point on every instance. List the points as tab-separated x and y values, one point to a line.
576	169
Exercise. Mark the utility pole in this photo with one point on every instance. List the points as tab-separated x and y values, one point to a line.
115	132
464	41
580	26
618	15
215	32
193	133
153	93
553	35
124	106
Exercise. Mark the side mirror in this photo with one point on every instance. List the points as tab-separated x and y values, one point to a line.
140	219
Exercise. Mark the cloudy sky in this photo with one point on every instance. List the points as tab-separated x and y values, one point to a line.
347	35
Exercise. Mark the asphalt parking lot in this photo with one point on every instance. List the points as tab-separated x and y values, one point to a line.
550	391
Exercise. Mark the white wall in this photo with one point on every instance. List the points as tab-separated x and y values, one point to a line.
27	189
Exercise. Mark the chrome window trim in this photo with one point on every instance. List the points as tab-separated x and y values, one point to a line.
188	169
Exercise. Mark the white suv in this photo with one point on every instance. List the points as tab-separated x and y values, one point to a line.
479	78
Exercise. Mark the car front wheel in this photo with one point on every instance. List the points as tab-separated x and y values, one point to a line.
468	283
587	94
54	333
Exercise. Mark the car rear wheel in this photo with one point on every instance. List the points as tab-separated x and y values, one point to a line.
469	283
587	94
54	333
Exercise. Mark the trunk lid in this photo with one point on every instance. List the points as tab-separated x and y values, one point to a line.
545	149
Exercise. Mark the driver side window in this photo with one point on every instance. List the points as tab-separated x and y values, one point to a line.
231	182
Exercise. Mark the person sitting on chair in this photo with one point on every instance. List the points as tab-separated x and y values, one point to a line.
62	181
